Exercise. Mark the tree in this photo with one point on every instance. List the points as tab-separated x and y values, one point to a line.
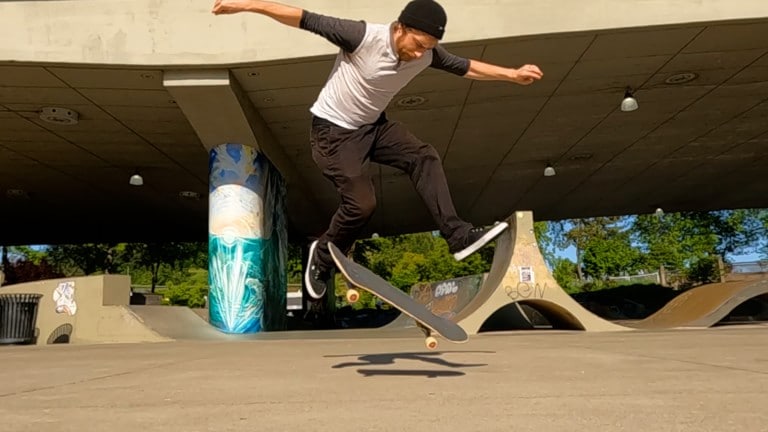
87	258
177	256
609	252
676	239
594	237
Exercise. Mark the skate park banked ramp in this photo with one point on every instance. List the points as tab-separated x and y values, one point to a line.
703	306
519	281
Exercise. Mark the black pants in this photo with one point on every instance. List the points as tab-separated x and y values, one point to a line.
344	156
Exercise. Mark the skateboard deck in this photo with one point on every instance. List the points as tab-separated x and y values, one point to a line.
361	277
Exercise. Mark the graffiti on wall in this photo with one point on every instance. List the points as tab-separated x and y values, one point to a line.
64	298
446	298
247	241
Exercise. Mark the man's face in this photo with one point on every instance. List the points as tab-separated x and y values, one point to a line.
411	44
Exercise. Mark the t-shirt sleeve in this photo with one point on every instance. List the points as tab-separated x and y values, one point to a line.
345	33
444	60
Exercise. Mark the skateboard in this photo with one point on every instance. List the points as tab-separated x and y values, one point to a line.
429	323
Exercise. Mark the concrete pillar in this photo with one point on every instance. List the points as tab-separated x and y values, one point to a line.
247	241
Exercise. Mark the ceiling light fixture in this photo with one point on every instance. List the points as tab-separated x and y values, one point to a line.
189	195
136	179
629	103
581	156
411	101
17	194
59	116
549	171
681	78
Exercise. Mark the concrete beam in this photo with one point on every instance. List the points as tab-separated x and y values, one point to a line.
208	101
184	32
220	112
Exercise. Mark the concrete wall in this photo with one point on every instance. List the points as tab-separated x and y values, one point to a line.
184	32
101	313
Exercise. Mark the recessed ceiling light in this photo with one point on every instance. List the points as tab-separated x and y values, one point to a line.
59	116
681	78
189	195
411	101
269	99
147	76
253	74
17	193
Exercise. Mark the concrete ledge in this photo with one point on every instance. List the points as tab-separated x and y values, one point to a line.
99	311
184	32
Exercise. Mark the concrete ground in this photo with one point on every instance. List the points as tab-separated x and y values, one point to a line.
690	380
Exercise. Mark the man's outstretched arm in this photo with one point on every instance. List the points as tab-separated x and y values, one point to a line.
523	75
478	70
344	33
288	15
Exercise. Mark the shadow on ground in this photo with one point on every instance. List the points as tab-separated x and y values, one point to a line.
432	358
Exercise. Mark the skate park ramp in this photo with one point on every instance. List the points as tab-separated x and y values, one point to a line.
176	322
448	298
519	274
517	287
85	310
520	293
706	305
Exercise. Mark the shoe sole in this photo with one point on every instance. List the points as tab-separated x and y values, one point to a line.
493	232
307	279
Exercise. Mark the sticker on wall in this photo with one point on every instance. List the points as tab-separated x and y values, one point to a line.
64	296
526	274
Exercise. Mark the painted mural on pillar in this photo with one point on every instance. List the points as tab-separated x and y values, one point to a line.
247	242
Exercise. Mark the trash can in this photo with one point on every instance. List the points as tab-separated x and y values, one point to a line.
18	316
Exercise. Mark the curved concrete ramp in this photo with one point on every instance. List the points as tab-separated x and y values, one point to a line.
519	274
703	306
448	298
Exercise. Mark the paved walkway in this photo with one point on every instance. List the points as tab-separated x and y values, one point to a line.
697	380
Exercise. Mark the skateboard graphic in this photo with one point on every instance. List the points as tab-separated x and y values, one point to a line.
429	323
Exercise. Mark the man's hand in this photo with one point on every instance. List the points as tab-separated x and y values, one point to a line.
527	74
222	7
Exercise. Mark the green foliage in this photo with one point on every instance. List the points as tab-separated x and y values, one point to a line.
293	265
608	253
405	260
704	270
546	233
679	240
188	288
154	256
85	259
564	272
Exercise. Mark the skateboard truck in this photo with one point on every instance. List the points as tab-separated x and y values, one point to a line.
430	341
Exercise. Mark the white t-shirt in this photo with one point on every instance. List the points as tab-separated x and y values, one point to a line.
367	73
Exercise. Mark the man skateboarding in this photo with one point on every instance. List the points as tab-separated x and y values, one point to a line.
350	129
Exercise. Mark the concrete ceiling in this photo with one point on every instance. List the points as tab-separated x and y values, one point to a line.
695	145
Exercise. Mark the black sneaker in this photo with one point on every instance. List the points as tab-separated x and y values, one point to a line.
477	238
314	278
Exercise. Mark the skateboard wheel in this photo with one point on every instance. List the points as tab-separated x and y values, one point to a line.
352	296
431	343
